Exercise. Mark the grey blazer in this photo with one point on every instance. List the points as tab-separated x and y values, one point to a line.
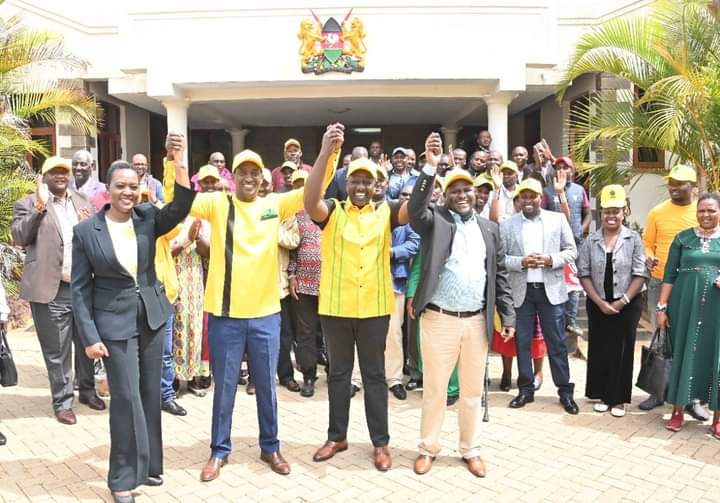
436	227
41	236
558	242
628	261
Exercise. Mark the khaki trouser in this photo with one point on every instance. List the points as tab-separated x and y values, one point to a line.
445	341
394	343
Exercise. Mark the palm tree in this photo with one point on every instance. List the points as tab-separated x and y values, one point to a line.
30	91
672	59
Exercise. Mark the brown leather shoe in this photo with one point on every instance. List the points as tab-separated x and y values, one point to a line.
291	385
211	471
329	450
383	461
66	416
93	401
423	463
476	466
276	461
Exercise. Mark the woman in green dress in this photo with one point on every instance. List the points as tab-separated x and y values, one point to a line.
689	304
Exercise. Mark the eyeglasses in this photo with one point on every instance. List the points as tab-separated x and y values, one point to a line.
81	163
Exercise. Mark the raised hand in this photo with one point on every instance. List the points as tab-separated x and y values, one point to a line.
83	214
560	181
451	159
433	148
41	190
175	146
496	175
194	231
333	138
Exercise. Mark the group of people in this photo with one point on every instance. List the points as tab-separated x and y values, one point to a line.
415	263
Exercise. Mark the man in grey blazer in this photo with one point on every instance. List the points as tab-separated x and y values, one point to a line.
539	243
463	280
43	224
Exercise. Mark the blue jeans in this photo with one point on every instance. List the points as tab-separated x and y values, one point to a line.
552	321
229	339
168	363
571	308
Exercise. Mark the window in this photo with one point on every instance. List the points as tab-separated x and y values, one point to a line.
647	159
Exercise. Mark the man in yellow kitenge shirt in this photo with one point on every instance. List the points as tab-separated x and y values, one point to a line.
242	299
663	222
356	295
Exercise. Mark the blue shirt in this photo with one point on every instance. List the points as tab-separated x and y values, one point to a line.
405	245
462	280
397	182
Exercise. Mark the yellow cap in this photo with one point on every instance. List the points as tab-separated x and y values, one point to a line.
530	184
208	171
381	172
511	166
613	196
362	164
55	162
300	174
247	156
455	174
682	173
289	164
267	175
292	141
484	179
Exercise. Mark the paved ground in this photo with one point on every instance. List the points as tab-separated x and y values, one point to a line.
535	454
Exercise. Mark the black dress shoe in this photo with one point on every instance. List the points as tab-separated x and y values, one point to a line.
308	387
414	384
93	401
3	440
291	385
521	401
123	499
154	480
353	390
174	408
505	382
452	400
398	392
569	405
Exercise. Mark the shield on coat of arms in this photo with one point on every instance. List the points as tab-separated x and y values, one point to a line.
332	43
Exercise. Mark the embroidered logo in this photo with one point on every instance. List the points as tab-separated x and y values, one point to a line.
268	214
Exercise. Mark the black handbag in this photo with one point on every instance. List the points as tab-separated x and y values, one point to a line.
656	364
8	371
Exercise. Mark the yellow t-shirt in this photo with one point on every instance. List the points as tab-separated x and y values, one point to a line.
355	278
663	222
245	235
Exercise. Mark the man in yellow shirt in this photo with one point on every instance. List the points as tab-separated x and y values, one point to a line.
356	295
663	222
243	301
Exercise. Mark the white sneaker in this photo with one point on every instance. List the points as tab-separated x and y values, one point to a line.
600	407
618	410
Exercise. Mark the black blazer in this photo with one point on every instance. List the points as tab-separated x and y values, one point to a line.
436	226
104	294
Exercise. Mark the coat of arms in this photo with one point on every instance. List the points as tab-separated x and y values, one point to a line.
333	46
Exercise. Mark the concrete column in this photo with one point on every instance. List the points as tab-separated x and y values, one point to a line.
449	136
497	105
177	119
238	139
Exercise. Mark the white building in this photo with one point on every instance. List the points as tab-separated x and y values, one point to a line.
230	74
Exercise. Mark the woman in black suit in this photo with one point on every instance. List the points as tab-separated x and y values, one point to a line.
121	309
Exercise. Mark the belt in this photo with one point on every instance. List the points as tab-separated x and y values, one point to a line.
462	314
536	285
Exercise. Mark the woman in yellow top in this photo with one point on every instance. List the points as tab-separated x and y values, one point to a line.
120	310
356	295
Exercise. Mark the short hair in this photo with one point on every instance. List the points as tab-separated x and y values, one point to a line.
710	195
359	152
117	166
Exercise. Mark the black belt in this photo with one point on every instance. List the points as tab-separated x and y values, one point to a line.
536	285
463	314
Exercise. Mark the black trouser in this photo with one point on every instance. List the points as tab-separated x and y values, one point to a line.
133	371
287	334
308	328
57	335
412	350
341	336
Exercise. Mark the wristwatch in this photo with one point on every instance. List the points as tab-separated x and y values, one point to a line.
661	308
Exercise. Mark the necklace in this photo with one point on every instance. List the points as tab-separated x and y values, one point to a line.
705	237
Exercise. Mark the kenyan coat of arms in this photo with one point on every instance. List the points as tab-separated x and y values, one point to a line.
333	46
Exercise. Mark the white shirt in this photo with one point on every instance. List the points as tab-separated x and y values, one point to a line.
532	239
67	218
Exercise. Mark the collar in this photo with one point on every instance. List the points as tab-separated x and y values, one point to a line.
368	208
597	234
459	219
62	200
523	218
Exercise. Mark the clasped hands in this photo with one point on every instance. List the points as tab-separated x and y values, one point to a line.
536	260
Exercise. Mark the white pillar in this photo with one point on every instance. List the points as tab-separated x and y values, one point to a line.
497	106
449	136
238	139
177	119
